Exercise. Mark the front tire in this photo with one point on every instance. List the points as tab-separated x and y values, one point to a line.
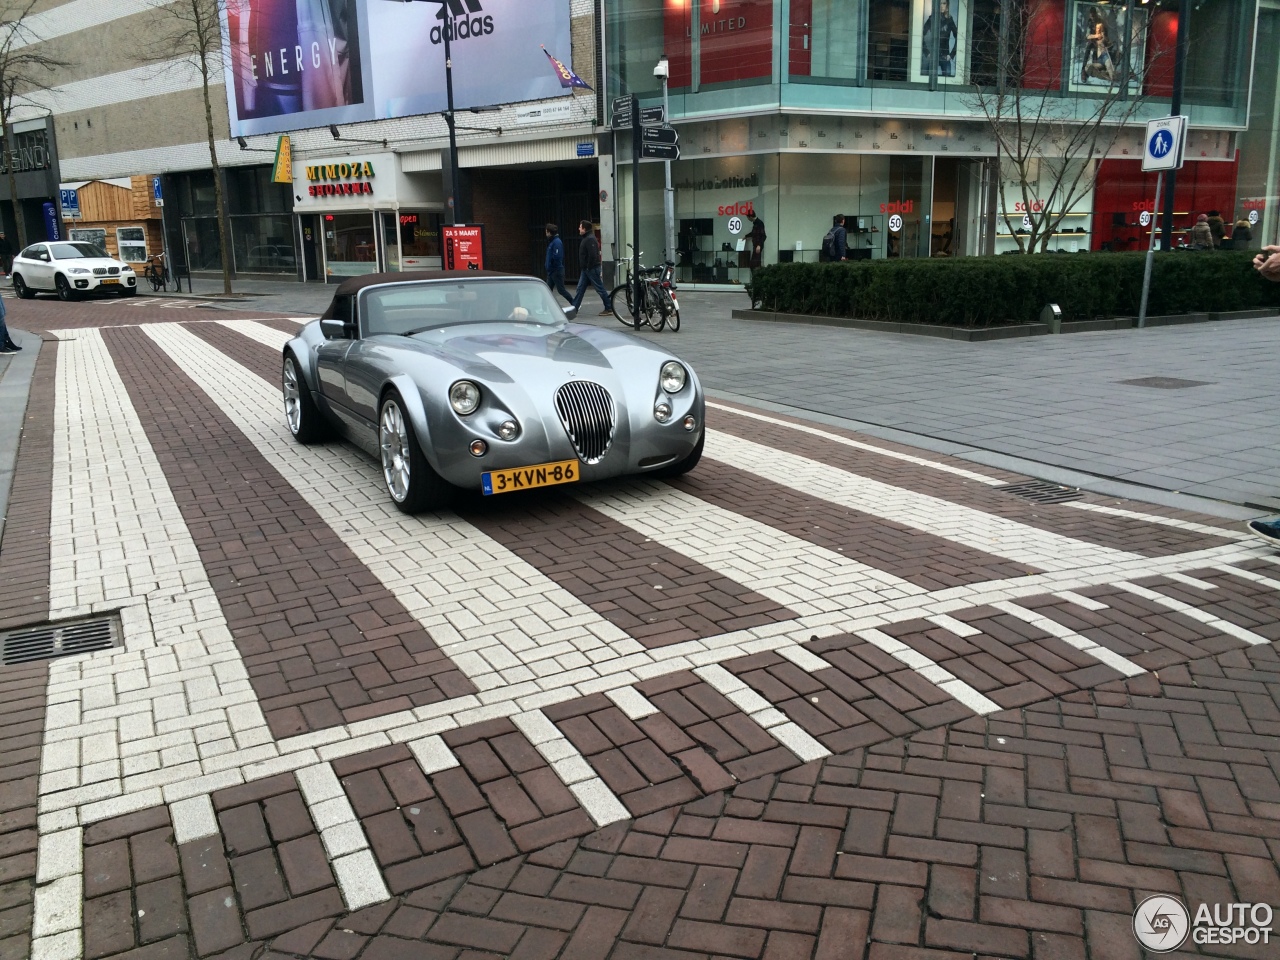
63	286
413	484
681	467
21	289
621	297
301	414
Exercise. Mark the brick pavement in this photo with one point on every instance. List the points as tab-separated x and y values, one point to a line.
941	751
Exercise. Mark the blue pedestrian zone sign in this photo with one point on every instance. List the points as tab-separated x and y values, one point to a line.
1164	143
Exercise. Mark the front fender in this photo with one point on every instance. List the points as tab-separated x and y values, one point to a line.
415	411
304	347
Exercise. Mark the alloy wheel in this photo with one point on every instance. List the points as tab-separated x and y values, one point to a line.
292	397
393	438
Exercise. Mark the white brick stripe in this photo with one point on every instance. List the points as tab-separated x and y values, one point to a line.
1191	581
602	806
858	445
1249	575
806	660
1113	660
344	840
1162	521
993	535
1195	613
935	674
193	819
433	755
1081	600
958	627
634	704
786	732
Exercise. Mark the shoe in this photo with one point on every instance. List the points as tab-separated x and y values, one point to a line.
1268	529
606	313
12	347
4	351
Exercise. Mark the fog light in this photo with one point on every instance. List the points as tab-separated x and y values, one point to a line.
662	412
690	423
81	284
507	430
479	448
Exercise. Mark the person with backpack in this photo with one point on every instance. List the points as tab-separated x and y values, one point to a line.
555	262
835	245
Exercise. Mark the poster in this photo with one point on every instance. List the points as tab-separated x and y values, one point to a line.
952	29
463	247
1100	32
308	63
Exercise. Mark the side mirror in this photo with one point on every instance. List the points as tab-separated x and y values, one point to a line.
335	330
570	312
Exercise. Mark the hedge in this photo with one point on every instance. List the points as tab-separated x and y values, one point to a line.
1006	290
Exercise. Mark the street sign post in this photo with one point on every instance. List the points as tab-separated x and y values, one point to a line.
659	135
1163	148
623	108
660	151
653	116
70	202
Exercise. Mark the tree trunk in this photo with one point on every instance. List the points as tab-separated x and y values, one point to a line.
224	239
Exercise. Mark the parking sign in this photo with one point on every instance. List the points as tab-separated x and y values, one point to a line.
1165	140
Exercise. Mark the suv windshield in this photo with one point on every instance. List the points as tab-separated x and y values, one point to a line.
76	251
404	308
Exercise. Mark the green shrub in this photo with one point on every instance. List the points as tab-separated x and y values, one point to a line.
1006	290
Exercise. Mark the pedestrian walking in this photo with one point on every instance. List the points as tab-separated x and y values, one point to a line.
1201	235
6	254
555	262
835	245
1217	228
589	272
758	237
1241	234
6	342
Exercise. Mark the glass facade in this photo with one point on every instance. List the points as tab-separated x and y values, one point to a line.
877	114
262	238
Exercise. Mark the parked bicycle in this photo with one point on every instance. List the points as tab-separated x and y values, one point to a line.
156	272
659	306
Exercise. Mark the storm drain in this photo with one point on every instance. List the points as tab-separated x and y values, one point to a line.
1041	491
47	641
1165	383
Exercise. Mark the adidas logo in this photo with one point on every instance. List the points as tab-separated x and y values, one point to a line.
466	19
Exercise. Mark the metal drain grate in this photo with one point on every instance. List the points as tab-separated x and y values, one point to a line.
1165	383
49	640
1042	491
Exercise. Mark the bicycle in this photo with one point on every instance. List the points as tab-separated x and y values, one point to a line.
156	273
658	305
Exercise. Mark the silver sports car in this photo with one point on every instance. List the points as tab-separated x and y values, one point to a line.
479	380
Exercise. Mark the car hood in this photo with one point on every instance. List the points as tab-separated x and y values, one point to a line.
91	263
521	353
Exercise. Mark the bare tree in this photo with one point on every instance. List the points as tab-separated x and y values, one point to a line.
188	34
1049	143
24	71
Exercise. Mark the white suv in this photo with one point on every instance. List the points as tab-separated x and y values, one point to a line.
71	269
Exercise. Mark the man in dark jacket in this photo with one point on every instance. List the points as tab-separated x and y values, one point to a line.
589	261
839	238
6	253
555	262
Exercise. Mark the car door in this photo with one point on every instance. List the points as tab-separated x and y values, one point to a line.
38	269
331	360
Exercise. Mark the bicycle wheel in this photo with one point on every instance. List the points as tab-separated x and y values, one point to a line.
154	279
657	307
673	312
620	299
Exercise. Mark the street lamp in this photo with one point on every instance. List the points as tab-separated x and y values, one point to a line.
663	71
446	27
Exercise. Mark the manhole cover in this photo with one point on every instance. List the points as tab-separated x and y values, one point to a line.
1041	491
1165	383
45	641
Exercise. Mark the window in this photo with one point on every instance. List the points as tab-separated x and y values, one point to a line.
94	235
76	251
132	244
32	252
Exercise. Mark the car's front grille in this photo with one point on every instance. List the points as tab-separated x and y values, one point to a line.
586	411
99	271
113	271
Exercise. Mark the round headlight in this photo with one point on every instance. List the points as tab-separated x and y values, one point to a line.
673	377
662	411
464	397
508	429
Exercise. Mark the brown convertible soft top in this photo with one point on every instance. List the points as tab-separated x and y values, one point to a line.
353	285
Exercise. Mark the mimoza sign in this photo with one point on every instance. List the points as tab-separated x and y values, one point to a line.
344	179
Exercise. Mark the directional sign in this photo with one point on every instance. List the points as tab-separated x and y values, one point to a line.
622	110
659	135
653	116
1163	147
660	151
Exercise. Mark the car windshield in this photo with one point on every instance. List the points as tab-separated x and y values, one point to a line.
413	307
76	251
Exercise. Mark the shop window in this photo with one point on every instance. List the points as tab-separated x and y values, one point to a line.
889	40
131	244
95	235
263	244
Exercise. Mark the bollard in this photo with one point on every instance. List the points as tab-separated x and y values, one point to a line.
1052	316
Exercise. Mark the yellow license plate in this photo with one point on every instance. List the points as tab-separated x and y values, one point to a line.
109	280
528	478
